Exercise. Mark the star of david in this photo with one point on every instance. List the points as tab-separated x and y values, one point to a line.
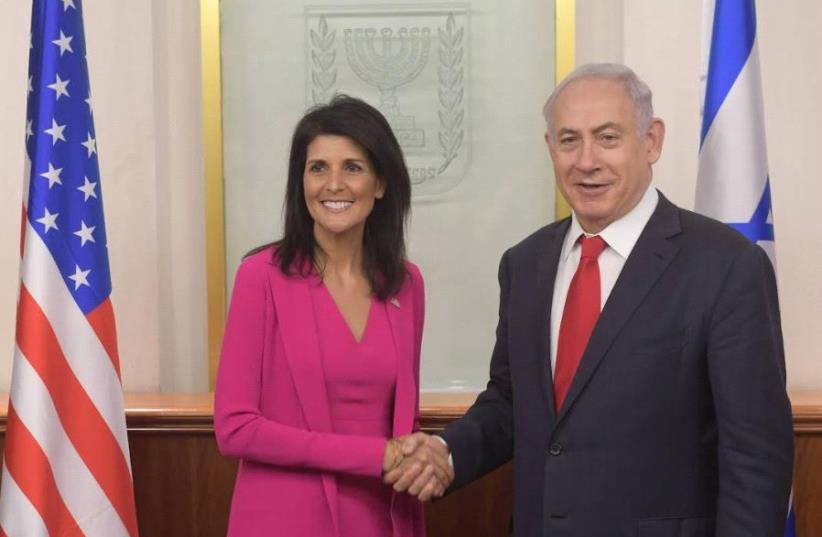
758	228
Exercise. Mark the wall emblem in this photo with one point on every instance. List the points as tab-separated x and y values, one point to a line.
412	64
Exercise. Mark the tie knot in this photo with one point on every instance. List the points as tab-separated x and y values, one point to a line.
592	246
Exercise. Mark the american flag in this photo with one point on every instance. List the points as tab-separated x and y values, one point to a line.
66	467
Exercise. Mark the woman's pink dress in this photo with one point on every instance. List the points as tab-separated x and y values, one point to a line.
359	378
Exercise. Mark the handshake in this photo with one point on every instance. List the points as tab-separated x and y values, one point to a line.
417	464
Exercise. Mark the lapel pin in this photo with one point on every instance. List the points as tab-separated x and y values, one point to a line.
395	302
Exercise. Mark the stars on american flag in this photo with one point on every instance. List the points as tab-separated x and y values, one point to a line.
85	233
87	189
64	42
60	87
49	221
90	144
80	277
53	175
64	206
56	132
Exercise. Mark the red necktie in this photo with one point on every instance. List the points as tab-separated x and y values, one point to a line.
579	317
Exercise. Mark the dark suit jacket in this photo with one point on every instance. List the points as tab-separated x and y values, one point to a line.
677	422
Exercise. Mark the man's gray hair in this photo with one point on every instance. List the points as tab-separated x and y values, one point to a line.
638	90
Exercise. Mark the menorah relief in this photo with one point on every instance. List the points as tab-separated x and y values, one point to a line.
387	59
411	62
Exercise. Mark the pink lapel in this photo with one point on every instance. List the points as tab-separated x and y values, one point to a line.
401	319
298	326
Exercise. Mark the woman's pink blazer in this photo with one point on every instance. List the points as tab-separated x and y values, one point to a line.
271	407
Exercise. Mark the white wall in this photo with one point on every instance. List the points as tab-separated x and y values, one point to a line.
456	236
662	41
14	41
146	83
180	183
144	69
789	47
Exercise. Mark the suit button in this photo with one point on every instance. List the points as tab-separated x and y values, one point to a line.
555	449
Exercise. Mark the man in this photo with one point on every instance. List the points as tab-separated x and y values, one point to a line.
638	374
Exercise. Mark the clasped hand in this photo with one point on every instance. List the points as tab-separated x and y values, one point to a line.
417	464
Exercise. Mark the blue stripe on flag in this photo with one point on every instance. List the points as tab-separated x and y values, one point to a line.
733	35
758	228
790	525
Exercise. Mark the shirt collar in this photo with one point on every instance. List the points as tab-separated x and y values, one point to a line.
622	234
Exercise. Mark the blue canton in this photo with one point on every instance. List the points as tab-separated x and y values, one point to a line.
65	206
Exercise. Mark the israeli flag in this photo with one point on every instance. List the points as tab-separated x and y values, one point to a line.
733	184
790	525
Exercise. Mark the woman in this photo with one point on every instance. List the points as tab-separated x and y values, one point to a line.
320	361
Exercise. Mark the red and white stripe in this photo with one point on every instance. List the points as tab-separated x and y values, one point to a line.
66	463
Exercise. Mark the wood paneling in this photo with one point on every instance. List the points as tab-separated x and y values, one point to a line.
807	485
807	468
482	509
183	485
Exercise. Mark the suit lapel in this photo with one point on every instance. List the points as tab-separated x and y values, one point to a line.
399	311
547	261
650	257
298	326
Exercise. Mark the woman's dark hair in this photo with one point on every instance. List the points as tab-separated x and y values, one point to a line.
384	236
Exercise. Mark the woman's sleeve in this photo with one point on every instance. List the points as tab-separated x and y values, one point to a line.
241	429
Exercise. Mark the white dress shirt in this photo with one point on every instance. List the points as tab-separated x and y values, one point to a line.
620	236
